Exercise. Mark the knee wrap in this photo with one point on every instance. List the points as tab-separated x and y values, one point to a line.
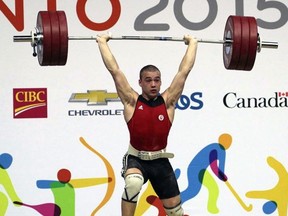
133	185
175	211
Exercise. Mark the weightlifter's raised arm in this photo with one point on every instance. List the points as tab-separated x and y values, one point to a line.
173	92
127	95
106	54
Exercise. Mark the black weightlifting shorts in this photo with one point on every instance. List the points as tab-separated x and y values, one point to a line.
159	172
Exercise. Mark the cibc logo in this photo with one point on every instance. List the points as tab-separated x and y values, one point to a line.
30	102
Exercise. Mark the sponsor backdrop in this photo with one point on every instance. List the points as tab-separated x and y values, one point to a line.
62	129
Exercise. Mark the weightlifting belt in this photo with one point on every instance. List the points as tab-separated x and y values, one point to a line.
149	155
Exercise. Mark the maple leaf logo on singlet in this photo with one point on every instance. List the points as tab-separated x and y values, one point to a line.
140	107
161	117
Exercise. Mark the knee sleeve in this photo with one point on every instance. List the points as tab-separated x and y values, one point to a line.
175	211
133	185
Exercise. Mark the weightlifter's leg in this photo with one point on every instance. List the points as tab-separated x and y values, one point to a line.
173	206
133	184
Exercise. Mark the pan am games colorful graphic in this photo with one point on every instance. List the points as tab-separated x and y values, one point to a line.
203	170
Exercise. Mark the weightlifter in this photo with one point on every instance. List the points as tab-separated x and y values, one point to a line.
149	117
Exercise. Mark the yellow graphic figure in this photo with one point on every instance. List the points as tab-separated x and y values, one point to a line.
81	183
277	194
110	174
209	182
143	205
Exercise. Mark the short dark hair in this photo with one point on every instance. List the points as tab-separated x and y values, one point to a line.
149	67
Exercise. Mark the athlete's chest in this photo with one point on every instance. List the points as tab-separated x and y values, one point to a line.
145	113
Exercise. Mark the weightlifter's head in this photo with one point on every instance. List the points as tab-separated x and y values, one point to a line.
150	81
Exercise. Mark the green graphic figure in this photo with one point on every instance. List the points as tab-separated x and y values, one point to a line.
5	162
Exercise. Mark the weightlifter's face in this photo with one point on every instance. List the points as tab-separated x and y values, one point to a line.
150	83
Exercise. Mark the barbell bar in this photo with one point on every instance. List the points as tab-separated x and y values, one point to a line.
241	40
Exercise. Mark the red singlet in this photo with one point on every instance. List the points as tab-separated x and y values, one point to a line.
150	125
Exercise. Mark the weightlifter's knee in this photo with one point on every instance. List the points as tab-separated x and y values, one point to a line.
174	211
133	185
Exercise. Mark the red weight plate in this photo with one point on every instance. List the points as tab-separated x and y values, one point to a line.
55	38
44	46
245	42
231	51
63	37
253	44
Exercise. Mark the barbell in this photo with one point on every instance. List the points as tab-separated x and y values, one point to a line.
241	40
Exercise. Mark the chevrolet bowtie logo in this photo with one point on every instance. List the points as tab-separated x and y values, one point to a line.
94	97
